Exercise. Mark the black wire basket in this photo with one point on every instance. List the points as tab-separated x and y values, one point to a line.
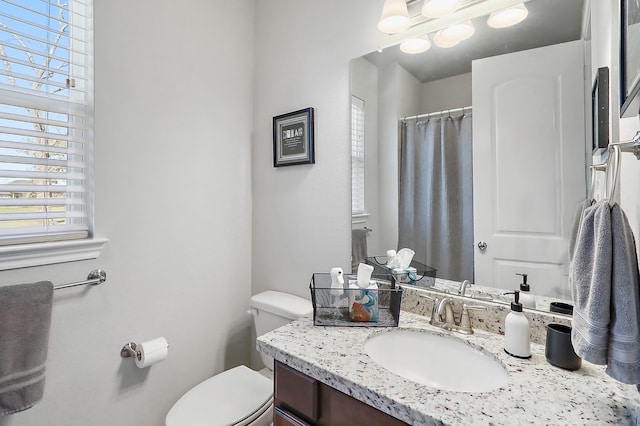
343	307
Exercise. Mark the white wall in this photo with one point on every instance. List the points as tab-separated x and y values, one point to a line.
364	85
399	97
301	214
446	93
173	130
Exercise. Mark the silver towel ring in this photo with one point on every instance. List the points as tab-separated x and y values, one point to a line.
595	168
613	173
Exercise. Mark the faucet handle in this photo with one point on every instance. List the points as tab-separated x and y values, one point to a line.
434	310
428	297
466	307
465	319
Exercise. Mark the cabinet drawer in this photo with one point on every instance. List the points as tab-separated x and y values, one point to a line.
284	418
296	391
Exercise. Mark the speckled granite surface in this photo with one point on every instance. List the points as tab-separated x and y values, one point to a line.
491	319
537	393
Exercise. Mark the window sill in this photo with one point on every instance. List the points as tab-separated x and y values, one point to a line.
26	255
359	217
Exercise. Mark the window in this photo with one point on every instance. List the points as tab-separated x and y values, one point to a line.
357	156
46	122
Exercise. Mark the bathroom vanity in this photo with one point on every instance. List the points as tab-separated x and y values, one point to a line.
322	368
302	400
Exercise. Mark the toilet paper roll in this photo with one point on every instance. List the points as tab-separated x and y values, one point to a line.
151	352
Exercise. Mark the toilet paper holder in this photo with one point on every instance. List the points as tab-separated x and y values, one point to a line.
130	350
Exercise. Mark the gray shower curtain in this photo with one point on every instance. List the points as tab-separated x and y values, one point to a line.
436	194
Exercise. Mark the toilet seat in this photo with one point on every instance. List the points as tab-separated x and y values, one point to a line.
234	397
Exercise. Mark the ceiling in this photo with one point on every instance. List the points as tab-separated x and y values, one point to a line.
549	22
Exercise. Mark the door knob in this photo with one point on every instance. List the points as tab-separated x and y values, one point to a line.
482	246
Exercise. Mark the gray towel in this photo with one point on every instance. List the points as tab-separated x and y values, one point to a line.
25	318
575	226
358	247
590	273
623	362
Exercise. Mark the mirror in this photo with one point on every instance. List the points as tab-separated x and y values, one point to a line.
390	85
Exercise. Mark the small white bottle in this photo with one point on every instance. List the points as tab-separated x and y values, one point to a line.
526	298
517	340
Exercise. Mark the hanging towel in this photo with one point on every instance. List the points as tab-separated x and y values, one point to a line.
358	247
25	318
590	273
575	226
623	362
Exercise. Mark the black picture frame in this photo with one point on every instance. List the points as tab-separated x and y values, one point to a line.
629	58
293	138
600	109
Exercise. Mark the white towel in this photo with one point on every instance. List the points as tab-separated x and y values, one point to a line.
590	273
623	362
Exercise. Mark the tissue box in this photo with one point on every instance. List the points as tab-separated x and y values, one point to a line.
363	303
405	276
330	309
417	274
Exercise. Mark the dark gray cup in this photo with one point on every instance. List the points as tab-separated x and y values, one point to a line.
559	350
561	308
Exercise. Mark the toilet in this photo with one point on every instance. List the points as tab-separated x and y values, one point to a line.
241	396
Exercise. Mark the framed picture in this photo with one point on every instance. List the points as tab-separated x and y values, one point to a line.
600	109
293	138
629	58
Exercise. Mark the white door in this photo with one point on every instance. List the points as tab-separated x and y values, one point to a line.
529	165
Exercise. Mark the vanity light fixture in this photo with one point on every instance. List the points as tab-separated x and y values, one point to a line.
439	8
442	43
415	45
458	32
395	17
508	17
447	30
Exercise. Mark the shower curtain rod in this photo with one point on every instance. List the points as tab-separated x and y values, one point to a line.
438	113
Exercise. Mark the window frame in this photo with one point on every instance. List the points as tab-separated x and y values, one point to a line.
48	249
358	201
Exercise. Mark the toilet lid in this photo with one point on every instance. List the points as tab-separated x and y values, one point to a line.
224	399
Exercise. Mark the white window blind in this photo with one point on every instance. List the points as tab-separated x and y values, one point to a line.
46	120
357	156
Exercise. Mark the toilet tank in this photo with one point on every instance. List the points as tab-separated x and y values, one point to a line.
273	309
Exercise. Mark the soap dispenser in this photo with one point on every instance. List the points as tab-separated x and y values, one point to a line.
517	341
526	298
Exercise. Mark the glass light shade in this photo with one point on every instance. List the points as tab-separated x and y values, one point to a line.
395	17
458	32
439	8
415	45
438	41
508	17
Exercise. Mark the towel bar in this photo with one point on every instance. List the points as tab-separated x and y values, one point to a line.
95	277
632	146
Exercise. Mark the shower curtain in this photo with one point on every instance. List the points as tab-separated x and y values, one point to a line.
436	194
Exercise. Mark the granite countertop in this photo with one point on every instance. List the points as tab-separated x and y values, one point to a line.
537	392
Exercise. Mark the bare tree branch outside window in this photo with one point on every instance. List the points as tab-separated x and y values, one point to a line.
36	58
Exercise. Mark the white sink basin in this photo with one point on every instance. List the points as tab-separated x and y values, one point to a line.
442	362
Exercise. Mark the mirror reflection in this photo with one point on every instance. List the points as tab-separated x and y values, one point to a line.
474	156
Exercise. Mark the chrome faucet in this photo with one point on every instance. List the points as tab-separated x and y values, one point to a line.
443	315
445	312
463	287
